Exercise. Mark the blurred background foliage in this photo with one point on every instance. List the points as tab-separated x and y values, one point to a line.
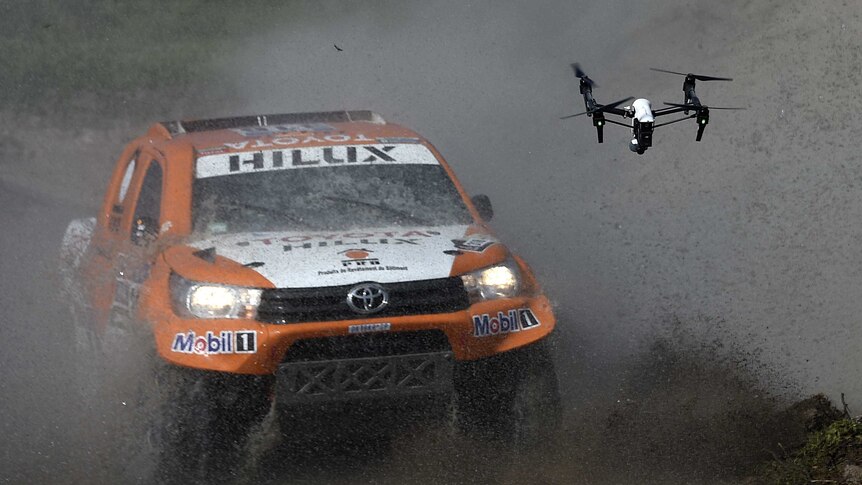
89	57
91	54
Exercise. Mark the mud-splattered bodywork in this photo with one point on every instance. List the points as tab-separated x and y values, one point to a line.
137	259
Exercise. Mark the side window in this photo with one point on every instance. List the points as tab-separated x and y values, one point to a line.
127	180
148	207
118	203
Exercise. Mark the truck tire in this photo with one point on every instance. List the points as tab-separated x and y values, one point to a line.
512	398
204	424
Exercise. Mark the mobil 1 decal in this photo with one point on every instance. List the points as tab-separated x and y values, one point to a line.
219	164
212	343
516	320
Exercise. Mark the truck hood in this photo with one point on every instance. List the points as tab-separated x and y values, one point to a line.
385	255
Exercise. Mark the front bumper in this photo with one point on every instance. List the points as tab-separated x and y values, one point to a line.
253	347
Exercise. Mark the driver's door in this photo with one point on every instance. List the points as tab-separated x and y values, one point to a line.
142	226
97	267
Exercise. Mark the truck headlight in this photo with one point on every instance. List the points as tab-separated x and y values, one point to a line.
209	300
501	280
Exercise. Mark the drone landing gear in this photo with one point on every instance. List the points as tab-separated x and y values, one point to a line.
702	121
599	123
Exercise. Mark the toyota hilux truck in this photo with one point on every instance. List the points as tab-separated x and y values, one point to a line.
295	260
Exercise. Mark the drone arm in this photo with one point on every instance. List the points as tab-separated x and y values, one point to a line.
670	111
618	123
598	111
688	88
619	112
675	121
702	116
586	89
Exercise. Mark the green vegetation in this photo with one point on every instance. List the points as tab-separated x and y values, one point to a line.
828	456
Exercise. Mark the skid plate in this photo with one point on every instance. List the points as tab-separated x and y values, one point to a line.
370	377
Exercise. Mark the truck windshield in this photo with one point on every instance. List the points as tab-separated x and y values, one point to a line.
327	198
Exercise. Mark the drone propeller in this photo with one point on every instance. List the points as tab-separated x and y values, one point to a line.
694	107
572	116
699	77
600	109
580	74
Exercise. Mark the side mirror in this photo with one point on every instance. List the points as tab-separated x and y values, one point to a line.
144	230
483	205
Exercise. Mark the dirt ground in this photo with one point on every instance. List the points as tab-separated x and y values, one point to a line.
701	287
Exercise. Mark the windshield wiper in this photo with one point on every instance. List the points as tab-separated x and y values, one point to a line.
381	207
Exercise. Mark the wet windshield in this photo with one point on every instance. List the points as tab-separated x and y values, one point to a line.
327	198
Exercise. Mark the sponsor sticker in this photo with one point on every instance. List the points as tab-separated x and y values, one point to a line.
369	327
516	320
341	239
358	269
341	242
213	343
474	244
284	140
212	150
356	260
413	238
321	156
256	131
358	257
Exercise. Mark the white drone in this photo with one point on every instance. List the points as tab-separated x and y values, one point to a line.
641	112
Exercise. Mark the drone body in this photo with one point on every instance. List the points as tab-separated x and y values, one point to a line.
641	112
642	125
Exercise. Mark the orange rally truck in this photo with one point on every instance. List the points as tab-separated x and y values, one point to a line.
295	260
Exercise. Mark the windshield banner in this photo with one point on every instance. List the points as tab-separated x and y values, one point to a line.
267	160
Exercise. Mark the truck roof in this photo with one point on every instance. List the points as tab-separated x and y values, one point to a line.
261	132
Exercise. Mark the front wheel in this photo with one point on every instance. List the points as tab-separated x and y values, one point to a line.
205	422
513	397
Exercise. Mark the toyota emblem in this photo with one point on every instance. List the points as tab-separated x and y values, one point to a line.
367	298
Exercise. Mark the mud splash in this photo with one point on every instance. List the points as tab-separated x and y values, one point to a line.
682	411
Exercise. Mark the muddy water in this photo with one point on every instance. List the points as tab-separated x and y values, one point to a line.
699	286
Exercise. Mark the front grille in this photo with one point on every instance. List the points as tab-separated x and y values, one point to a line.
367	345
298	305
